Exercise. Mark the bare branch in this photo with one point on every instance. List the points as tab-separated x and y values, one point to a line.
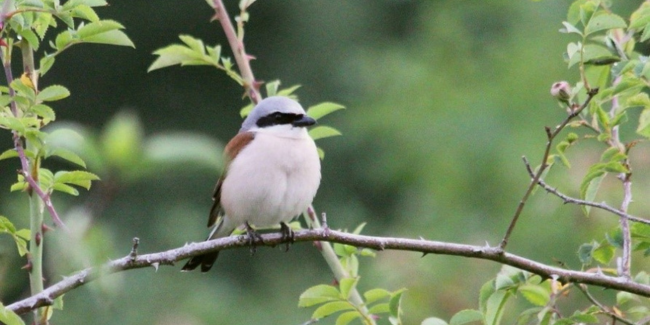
169	257
568	199
550	137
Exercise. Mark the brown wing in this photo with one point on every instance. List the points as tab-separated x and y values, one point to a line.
236	144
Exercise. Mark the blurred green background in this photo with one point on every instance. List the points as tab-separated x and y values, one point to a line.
443	98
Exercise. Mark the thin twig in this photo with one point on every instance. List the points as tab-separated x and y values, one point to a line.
567	199
169	257
602	307
239	51
550	137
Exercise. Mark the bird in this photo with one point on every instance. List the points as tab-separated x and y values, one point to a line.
271	175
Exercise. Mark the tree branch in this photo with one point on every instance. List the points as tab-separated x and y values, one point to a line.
568	199
550	137
171	256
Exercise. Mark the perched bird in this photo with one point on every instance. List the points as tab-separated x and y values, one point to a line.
271	174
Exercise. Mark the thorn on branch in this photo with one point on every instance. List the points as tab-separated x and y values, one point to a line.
549	135
134	249
45	228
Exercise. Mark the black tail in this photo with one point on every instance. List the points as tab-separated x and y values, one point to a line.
206	261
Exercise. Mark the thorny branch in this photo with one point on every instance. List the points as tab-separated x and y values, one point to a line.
171	256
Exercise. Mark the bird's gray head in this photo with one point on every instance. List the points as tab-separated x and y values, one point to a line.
276	110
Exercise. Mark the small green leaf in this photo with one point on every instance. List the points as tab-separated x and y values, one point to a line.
77	177
122	140
193	43
288	92
373	295
535	294
21	245
322	109
62	40
43	111
604	253
569	28
487	289
590	184
172	55
584	318
272	88
379	309
9	153
465	317
18	186
395	303
623	297
644	123
584	253
30	37
52	93
113	37
318	294
86	12
604	21
346	317
45	64
346	285
320	132
246	110
503	282
321	153
494	307
65	189
331	308
69	156
96	28
8	317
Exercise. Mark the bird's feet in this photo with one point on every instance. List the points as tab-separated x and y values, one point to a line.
287	234
253	238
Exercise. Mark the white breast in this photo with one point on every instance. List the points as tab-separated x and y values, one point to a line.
273	179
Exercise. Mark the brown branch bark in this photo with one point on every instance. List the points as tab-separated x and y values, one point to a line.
171	256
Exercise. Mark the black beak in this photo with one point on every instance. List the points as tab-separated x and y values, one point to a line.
303	121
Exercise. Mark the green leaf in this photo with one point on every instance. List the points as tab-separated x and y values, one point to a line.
272	88
379	309
9	153
8	317
18	186
30	37
604	253
321	153
503	282
6	225
644	123
65	189
113	37
590	184
623	297
569	28
642	277
347	317
433	321
77	177
373	295
52	93
487	289
21	245
331	308
321	132
584	253
465	317
23	89
346	285
86	12
96	28
62	40
69	156
43	111
318	294
535	294
172	55
45	64
193	43
494	307
604	21
395	303
322	109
